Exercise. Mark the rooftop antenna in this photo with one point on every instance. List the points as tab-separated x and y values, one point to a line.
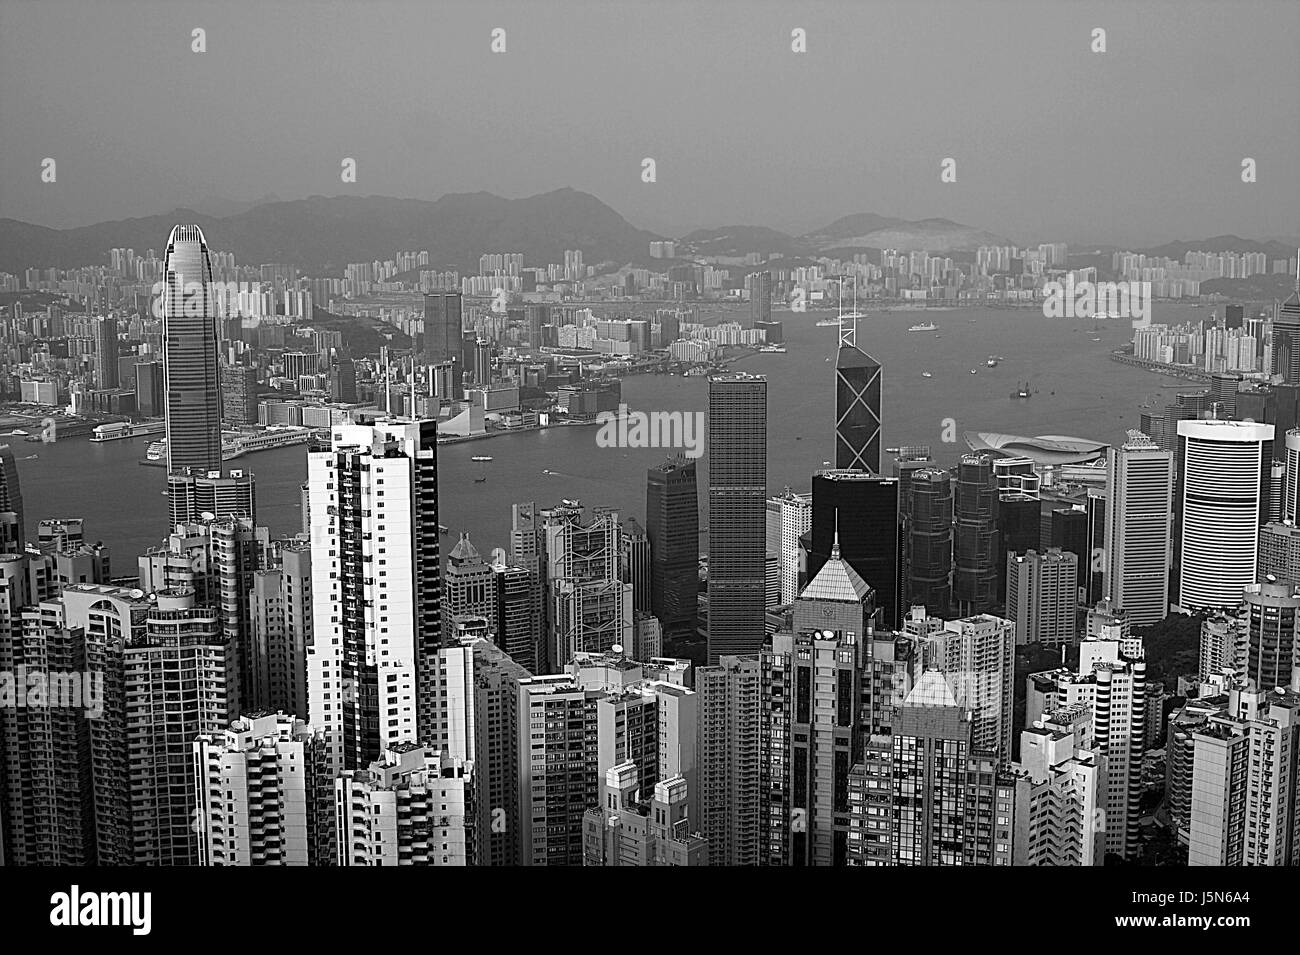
849	334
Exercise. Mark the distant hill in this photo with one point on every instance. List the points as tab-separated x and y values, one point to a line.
322	234
870	231
740	239
1223	243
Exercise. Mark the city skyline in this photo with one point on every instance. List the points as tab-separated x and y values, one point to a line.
359	532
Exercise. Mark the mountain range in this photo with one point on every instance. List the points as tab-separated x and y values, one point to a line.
321	234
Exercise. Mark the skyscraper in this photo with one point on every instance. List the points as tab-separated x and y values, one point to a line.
442	335
12	531
1042	594
193	493
1139	509
1222	501
1272	609
975	534
759	285
673	528
858	383
737	491
190	353
106	352
862	509
928	580
373	497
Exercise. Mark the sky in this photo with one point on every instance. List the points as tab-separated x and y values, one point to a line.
1138	145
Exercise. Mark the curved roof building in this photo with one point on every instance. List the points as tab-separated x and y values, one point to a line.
1044	449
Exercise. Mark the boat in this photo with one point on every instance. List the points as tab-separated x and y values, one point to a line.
480	480
828	323
31	457
974	371
926	374
18	432
923	327
481	457
992	363
1022	391
121	430
773	349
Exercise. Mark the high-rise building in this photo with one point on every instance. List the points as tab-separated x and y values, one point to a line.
263	796
975	534
179	682
217	559
737	490
343	380
1042	595
861	510
859	379
190	353
280	618
528	552
634	563
1271	612
629	831
106	352
194	495
442	334
590	607
977	657
558	781
373	498
730	759
411	807
1221	501
238	394
1110	684
928	544
12	532
1058	798
919	777
1139	512
789	517
759	286
673	529
150	389
468	585
1245	805
47	789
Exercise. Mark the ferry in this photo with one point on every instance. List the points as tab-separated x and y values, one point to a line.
828	323
481	457
236	444
121	430
923	327
773	349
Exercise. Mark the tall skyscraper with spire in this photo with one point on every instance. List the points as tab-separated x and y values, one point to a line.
858	379
737	513
190	353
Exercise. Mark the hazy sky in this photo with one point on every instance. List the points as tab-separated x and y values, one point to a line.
1137	145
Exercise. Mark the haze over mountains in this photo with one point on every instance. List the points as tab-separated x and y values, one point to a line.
322	234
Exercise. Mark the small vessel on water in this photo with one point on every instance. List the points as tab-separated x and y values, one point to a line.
992	363
1022	391
481	457
923	327
974	371
926	374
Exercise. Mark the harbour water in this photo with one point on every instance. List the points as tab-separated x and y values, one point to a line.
1076	390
